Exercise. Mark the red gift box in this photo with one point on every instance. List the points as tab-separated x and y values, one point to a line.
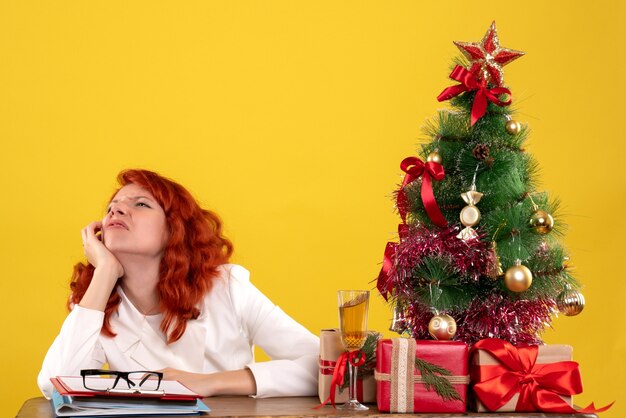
399	385
525	378
484	367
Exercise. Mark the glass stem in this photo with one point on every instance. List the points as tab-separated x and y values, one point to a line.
352	387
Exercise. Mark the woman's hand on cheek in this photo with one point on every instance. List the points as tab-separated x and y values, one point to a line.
97	254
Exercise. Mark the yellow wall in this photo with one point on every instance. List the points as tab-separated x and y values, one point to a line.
290	119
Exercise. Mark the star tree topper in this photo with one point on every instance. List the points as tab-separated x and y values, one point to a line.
488	57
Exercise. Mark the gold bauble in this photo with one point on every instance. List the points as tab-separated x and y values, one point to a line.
518	278
541	221
434	157
470	215
442	327
512	127
570	302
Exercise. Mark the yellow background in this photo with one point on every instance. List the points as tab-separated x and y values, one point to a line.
290	119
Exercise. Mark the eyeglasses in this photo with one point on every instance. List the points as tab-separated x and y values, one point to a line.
124	382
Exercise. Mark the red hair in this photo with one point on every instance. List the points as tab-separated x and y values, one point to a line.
195	248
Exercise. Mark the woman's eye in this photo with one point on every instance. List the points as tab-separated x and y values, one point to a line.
143	204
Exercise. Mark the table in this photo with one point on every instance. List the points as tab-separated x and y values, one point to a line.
243	406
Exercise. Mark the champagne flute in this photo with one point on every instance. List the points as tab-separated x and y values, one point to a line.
353	326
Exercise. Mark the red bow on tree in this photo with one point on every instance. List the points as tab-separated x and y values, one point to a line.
538	385
469	82
383	283
414	168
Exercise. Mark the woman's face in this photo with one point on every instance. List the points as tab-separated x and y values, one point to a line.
135	223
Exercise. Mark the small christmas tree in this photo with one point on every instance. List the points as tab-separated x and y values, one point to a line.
478	253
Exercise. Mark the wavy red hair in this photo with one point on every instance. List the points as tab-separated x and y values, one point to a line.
196	247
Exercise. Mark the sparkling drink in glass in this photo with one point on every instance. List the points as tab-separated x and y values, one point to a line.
353	305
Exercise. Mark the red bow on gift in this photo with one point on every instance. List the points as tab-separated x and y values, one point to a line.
414	168
357	358
469	82
538	385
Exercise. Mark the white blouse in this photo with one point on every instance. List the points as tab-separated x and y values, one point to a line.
234	317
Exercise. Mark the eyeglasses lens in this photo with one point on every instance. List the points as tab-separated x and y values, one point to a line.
144	380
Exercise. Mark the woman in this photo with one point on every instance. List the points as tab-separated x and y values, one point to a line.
157	294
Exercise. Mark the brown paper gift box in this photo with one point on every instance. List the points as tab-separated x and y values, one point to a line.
330	350
546	354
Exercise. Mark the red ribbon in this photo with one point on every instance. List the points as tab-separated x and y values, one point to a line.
383	283
356	358
414	168
538	385
469	82
327	368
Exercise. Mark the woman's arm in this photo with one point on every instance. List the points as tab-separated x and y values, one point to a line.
294	351
77	347
234	382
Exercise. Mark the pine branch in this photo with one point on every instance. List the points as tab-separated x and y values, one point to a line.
438	382
437	283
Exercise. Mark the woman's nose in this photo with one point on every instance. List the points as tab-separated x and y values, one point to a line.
117	209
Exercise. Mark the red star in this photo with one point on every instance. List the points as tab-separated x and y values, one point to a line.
488	57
